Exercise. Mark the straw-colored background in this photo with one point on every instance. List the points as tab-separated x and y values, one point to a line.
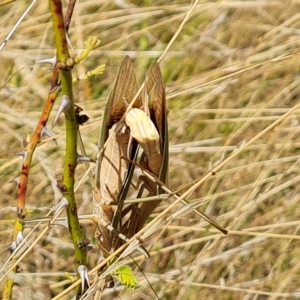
233	70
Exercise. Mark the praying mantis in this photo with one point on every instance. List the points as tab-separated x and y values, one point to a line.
143	129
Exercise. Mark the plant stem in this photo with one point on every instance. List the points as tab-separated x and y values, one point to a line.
65	77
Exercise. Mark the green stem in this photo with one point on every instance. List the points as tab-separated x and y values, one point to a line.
71	148
71	134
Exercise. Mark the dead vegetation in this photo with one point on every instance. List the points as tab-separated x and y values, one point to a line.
231	73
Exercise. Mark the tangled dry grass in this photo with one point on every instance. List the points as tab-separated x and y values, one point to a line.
231	73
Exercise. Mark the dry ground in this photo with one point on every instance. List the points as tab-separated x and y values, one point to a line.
233	71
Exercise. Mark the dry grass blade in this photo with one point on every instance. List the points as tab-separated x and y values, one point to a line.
229	75
17	23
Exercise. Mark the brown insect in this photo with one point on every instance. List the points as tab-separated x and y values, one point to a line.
116	162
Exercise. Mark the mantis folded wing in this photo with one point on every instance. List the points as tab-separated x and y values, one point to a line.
113	170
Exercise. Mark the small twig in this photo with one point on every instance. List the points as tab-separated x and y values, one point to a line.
69	14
